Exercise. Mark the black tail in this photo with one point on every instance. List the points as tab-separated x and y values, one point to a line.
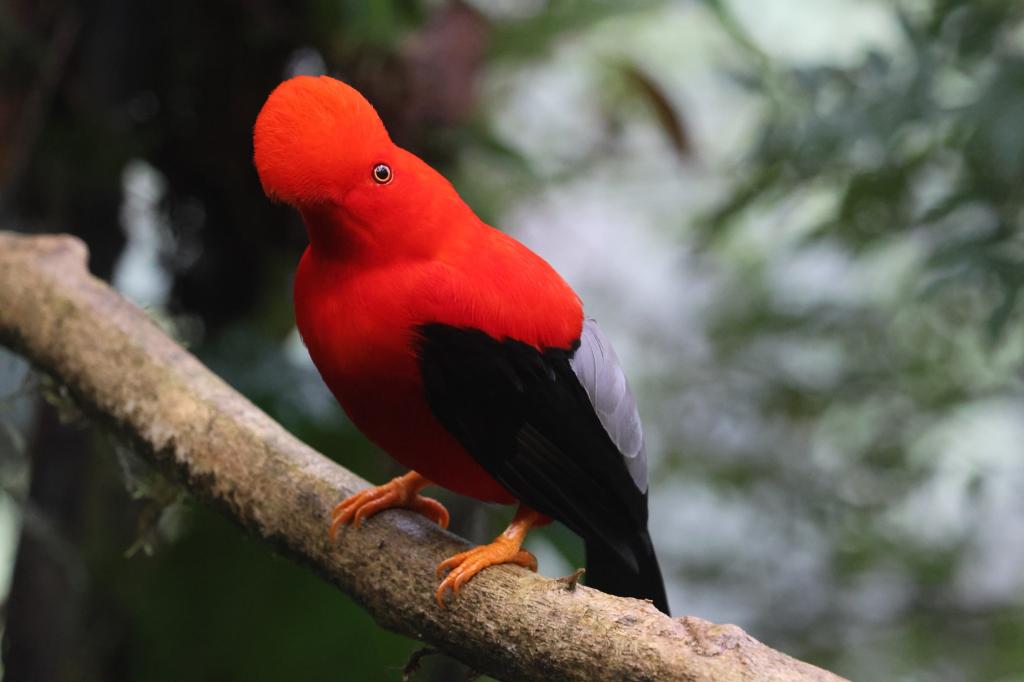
606	571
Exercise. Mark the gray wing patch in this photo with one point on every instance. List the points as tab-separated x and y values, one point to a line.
598	370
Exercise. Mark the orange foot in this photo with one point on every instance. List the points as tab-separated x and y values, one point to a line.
402	492
504	550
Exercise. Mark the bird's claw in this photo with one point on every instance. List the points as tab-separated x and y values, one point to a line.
465	565
391	495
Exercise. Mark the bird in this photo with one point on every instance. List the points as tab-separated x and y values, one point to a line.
453	347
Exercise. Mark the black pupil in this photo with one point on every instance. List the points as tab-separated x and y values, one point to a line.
382	173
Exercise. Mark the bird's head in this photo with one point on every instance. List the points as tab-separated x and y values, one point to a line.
321	147
317	139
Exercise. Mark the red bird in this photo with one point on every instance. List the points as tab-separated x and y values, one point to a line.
453	347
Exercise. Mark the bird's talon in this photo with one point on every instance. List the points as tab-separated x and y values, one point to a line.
526	560
401	492
465	565
432	509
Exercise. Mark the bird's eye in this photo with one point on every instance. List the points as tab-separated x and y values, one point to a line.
382	173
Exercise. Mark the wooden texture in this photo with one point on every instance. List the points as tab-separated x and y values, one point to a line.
512	624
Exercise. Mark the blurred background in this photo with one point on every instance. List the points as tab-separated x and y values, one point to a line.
802	224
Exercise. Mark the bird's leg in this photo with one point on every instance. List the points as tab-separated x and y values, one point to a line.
504	550
402	492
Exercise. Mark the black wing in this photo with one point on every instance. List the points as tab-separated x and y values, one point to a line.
526	417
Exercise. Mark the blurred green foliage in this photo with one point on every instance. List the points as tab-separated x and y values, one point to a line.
924	143
900	175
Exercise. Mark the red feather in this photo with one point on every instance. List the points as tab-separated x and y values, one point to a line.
387	258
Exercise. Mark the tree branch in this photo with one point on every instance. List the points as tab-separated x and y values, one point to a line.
507	622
